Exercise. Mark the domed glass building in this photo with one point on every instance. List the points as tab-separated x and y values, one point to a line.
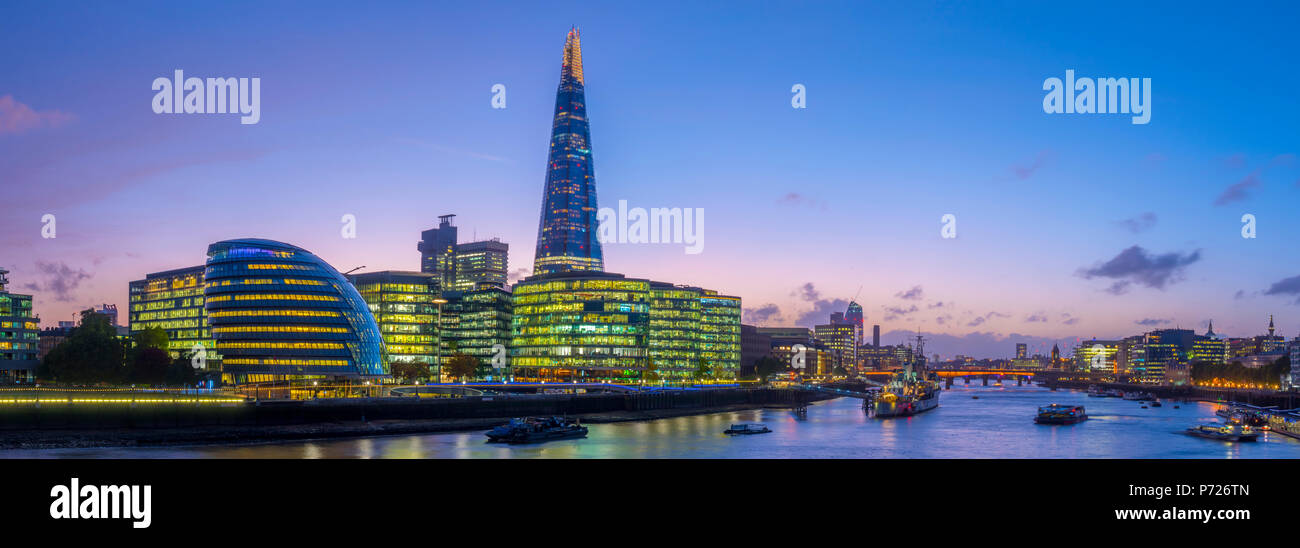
277	311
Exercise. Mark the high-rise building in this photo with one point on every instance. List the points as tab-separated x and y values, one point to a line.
19	335
278	312
1022	351
1209	348
172	300
855	318
1165	348
462	266
840	339
405	307
875	336
719	332
481	265
580	326
567	234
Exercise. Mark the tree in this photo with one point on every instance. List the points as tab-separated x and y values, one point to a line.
460	366
767	366
150	366
651	373
701	369
148	359
91	354
410	371
150	337
181	372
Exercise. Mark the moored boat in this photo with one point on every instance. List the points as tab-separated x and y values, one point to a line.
1060	414
747	429
1223	432
912	390
530	430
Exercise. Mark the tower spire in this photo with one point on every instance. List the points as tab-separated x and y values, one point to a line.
567	234
1270	325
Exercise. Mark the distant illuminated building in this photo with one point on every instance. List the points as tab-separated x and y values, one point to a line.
1022	351
1209	348
841	340
172	300
462	266
1097	356
875	336
478	323
19	335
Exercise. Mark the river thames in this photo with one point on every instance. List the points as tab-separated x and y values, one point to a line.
997	424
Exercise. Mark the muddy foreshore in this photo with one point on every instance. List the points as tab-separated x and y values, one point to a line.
214	435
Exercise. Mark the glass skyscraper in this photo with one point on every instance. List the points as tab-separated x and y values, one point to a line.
566	238
19	335
173	301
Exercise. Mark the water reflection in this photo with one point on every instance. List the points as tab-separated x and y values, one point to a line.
997	425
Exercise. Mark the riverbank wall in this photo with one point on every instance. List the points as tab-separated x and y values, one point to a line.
197	414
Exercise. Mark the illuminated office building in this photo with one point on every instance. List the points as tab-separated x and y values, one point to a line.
173	301
1163	349
674	337
1209	348
580	326
1097	356
477	323
462	266
840	339
1022	351
567	235
604	326
19	335
719	333
404	307
277	311
854	317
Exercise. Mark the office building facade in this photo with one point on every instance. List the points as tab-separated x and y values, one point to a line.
19	335
172	300
406	310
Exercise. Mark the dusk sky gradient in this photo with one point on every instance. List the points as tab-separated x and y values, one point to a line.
914	110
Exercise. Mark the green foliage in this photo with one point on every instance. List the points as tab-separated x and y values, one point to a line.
149	366
701	369
768	366
151	337
91	354
460	366
409	371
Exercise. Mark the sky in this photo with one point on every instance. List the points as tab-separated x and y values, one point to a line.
1068	226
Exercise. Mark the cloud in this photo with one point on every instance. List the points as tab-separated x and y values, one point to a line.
1237	191
913	294
1023	172
1289	287
517	274
761	315
896	312
59	279
17	118
795	199
1036	318
937	304
821	308
1067	319
1136	266
1151	321
1141	223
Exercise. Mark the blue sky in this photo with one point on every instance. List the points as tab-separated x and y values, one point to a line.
915	110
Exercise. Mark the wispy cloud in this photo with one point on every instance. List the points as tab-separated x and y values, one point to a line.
913	294
59	279
1152	321
1140	223
761	315
17	118
1238	191
1289	287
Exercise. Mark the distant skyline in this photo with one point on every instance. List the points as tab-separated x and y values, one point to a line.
1067	225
